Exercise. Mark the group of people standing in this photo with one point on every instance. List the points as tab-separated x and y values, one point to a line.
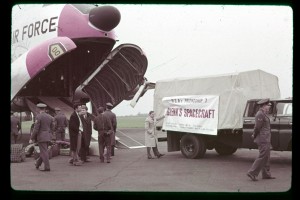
80	130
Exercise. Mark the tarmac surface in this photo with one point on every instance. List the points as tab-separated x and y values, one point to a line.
131	171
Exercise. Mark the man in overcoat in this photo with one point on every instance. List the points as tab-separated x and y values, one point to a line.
86	119
75	131
262	137
151	139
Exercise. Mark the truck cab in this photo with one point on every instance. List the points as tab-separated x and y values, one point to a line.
280	114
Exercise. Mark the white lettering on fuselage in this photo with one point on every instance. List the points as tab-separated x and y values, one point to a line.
35	29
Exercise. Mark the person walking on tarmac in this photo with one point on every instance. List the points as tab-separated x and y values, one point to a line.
61	123
113	119
15	127
104	127
151	136
262	137
42	133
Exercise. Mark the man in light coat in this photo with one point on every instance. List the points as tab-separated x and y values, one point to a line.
262	137
151	140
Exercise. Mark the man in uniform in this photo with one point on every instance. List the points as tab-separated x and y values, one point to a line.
113	119
103	125
61	123
262	137
42	132
15	127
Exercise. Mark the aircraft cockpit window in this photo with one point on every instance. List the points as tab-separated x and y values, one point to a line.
84	8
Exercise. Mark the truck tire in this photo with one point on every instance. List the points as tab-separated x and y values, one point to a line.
223	149
192	146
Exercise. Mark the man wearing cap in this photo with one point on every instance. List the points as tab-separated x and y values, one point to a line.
262	137
113	119
15	127
103	125
61	123
42	132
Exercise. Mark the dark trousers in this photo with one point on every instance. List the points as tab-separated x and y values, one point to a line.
262	162
154	149
112	151
60	134
104	141
44	155
83	150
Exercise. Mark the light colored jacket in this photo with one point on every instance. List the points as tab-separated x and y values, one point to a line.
150	133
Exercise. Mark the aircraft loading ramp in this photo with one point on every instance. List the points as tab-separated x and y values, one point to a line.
53	102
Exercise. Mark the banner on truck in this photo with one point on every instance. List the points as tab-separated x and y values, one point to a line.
194	114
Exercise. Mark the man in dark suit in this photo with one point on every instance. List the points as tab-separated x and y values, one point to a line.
86	119
42	133
113	118
262	137
75	131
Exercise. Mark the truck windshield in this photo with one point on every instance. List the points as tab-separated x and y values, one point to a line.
284	109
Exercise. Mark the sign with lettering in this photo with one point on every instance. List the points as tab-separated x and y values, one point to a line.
193	114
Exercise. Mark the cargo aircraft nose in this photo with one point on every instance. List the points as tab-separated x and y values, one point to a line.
105	18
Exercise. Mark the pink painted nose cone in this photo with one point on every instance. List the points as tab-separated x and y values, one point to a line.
105	18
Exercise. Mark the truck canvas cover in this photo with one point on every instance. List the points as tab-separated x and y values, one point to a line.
233	90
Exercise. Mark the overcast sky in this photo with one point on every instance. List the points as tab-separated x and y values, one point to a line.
201	40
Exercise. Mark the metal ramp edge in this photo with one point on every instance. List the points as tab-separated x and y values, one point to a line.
126	141
53	102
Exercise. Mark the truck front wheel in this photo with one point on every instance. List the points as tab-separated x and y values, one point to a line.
192	146
223	149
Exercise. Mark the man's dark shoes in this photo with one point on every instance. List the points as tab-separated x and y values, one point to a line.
45	170
160	155
253	178
36	165
268	177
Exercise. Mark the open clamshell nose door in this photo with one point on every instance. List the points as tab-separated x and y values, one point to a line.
117	77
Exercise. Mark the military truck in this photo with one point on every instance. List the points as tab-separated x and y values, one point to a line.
224	106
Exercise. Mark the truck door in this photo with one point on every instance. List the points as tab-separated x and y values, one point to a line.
248	125
275	126
284	115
